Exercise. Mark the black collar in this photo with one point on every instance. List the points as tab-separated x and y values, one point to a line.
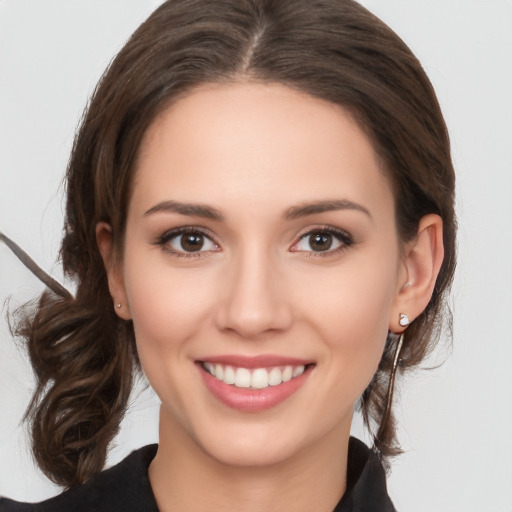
126	487
366	482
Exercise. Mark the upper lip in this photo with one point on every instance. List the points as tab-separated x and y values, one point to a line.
260	361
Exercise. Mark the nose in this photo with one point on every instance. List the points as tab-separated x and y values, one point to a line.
254	298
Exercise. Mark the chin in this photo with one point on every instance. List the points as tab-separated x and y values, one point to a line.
254	453
260	443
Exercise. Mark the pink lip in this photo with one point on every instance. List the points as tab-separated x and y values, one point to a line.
253	400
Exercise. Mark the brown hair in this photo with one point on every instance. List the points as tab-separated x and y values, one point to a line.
83	355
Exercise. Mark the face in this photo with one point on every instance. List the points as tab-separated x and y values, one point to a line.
261	269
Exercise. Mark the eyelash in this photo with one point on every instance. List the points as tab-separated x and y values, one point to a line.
164	239
346	240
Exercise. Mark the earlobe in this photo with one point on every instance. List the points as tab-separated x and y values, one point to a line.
114	274
422	261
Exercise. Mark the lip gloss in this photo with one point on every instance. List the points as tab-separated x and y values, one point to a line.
249	399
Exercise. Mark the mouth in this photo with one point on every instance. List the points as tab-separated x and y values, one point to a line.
254	384
255	378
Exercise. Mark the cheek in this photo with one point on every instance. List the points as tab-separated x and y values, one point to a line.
351	312
355	300
168	306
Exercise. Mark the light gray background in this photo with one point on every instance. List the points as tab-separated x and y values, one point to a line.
456	421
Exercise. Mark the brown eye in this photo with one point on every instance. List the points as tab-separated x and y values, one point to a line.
188	242
191	242
320	241
328	240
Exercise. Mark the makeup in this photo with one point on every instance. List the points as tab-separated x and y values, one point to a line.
253	384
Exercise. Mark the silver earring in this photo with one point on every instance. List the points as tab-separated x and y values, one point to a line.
118	306
391	387
404	320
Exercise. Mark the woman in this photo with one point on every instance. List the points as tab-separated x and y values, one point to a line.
260	213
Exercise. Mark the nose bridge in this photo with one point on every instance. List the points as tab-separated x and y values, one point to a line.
253	300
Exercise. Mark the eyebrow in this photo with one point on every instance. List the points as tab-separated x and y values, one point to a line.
303	210
294	212
195	210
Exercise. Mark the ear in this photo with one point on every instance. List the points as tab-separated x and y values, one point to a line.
421	262
114	272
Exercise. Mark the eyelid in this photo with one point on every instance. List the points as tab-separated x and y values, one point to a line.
344	237
164	238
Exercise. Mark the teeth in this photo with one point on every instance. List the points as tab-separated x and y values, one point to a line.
287	373
259	378
275	377
229	375
298	370
242	378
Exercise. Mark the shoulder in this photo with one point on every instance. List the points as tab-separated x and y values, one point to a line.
124	486
366	481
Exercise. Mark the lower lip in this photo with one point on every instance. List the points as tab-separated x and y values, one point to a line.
253	400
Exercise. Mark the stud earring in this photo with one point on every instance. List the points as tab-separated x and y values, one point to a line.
404	320
118	306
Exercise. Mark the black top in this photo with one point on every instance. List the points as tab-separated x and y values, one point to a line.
125	487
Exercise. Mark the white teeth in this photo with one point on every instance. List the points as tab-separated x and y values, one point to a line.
210	367
298	370
229	375
242	378
259	378
287	373
275	377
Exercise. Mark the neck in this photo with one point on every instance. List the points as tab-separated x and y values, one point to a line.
186	478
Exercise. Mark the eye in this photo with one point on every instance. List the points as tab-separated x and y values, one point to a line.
187	241
323	241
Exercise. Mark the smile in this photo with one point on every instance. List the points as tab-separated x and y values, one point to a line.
254	384
256	378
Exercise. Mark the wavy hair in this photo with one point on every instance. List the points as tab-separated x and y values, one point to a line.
83	354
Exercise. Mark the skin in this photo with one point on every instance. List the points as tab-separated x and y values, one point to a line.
252	153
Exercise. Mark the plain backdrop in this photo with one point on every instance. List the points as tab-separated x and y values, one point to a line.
455	421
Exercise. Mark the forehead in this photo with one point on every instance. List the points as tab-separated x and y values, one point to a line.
256	141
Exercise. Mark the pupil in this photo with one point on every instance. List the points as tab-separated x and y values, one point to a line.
192	242
321	242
